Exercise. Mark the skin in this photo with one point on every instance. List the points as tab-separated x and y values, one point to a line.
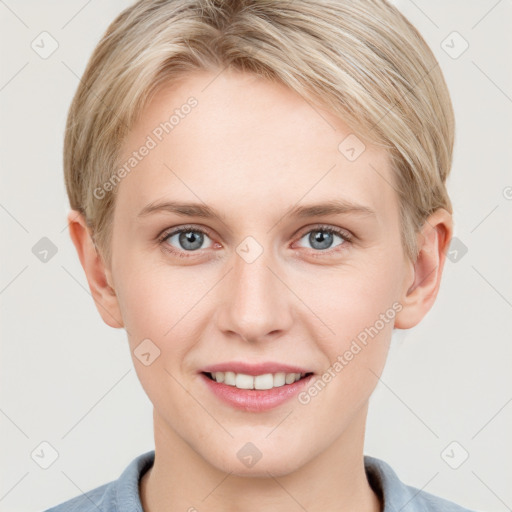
251	150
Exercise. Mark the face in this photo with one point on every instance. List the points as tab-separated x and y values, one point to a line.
252	273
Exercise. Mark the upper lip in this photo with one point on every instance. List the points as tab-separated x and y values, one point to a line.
254	369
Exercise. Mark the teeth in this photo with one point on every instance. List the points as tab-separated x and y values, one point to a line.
290	378
265	381
244	381
229	378
279	379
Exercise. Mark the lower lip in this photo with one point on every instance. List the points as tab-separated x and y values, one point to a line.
255	400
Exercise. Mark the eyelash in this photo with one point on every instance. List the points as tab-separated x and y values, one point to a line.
347	238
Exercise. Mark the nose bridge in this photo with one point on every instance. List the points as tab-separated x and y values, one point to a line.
256	302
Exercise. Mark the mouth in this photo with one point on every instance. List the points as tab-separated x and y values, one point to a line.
255	393
256	382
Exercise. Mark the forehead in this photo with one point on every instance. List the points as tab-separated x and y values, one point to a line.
246	143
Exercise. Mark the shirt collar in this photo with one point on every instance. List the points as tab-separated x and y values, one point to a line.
393	494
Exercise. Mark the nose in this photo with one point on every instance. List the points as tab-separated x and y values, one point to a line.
255	305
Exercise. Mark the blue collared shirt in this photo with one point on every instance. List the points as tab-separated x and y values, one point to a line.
122	495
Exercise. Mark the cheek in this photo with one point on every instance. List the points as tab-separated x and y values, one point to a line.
156	299
352	298
360	310
161	320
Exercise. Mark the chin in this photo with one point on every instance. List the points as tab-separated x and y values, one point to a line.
249	461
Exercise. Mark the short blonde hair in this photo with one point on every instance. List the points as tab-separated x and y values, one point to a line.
360	59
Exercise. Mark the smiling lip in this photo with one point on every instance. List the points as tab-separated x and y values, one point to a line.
254	369
254	400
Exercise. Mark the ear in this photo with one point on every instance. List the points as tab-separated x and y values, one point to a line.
98	275
420	289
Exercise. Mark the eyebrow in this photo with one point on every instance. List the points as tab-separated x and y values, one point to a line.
332	207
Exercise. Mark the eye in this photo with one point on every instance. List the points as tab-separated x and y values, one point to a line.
185	239
322	238
190	239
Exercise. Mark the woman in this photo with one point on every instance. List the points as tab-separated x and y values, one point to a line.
258	196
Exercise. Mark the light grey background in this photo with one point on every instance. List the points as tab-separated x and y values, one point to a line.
67	378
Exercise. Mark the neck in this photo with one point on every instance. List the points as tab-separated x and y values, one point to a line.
335	480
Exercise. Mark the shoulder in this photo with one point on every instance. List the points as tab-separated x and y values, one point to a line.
102	498
121	495
398	496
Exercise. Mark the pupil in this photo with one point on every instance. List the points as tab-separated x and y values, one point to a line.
322	238
191	240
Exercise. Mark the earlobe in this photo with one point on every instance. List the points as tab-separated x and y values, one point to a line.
97	274
419	295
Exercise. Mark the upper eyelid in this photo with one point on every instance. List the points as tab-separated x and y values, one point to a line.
319	227
173	231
